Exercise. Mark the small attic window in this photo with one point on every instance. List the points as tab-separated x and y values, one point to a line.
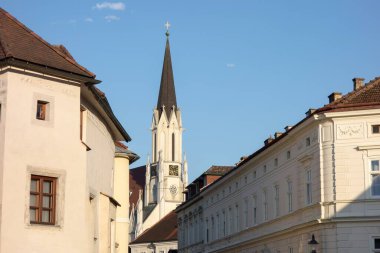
376	129
42	107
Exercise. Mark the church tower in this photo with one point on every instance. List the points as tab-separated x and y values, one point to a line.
166	172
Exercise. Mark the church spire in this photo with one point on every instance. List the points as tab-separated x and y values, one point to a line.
167	98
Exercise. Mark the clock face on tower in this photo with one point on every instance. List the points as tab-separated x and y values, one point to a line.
173	190
173	170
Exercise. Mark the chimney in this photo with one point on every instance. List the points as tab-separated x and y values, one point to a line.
287	128
358	82
269	140
277	134
310	111
334	96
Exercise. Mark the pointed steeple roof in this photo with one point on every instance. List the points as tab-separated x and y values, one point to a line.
167	97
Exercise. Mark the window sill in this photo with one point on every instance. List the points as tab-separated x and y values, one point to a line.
42	226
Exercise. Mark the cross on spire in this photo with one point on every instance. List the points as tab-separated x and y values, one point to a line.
167	25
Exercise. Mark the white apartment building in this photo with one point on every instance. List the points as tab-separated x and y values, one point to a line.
320	177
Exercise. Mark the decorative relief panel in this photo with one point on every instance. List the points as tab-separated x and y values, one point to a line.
173	170
350	131
41	83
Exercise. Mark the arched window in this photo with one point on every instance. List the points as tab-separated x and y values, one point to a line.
155	147
154	193
173	147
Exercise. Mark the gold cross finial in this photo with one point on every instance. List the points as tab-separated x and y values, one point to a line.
167	25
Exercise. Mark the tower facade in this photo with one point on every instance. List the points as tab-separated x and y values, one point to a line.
166	171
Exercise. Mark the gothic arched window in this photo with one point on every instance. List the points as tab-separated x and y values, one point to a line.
173	147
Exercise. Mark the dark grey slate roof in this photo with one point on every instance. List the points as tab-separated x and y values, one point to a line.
167	95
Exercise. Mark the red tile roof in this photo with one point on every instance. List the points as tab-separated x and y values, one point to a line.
164	230
136	183
365	97
19	42
218	170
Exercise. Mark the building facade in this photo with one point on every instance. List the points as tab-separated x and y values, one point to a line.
57	149
320	177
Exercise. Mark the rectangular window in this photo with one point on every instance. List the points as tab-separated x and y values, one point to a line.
308	188
376	129
376	244
82	126
275	162
0	112
265	205
277	200
42	200
375	178
42	107
254	204
207	238
307	141
246	212
254	174
290	250
237	223
265	169
231	221
288	154
290	196
224	223
212	237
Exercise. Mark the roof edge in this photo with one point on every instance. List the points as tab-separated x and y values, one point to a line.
19	63
107	108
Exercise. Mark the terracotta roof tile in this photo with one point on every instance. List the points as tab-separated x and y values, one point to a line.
136	183
19	42
164	230
365	96
218	170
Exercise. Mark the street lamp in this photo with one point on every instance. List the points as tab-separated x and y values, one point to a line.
313	243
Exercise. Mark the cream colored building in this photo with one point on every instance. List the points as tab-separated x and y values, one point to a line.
57	151
320	177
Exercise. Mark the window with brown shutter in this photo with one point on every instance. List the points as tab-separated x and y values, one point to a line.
42	206
41	110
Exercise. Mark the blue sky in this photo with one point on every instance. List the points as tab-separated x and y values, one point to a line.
243	69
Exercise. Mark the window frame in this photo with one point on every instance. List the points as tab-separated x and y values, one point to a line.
373	173
372	243
42	112
39	208
277	200
290	196
254	209
373	128
265	204
309	188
